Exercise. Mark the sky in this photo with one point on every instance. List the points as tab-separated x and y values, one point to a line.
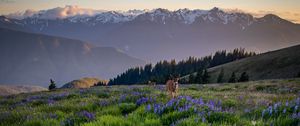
287	9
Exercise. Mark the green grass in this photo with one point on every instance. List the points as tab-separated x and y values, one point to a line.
241	104
283	63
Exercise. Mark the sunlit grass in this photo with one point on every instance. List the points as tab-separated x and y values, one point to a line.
272	102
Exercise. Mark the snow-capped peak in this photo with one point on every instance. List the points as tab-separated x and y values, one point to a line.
159	15
189	16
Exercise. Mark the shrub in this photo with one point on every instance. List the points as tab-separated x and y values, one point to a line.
152	122
48	122
127	107
109	120
232	79
244	77
103	95
172	117
110	110
229	103
218	117
286	122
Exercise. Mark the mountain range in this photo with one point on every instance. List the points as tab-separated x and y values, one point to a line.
29	58
158	34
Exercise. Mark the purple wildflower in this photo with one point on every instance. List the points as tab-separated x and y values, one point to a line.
51	102
247	110
53	116
263	113
284	110
286	103
203	119
143	100
148	108
104	103
89	116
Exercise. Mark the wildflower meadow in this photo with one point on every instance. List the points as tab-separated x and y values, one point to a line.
259	103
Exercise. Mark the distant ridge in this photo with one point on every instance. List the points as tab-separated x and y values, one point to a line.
9	90
35	59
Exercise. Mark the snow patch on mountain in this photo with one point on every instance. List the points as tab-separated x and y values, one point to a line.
189	16
74	14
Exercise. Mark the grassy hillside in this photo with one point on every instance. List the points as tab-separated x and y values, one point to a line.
9	89
283	63
268	102
83	83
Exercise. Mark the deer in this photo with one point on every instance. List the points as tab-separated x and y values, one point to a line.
172	86
151	83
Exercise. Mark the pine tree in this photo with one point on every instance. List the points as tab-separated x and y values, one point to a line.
221	76
199	77
232	79
244	77
205	77
298	74
52	85
162	69
192	78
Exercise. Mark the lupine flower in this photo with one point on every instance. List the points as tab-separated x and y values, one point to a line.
148	108
286	103
51	102
284	110
88	115
196	120
270	109
294	115
298	101
195	110
296	108
68	122
246	110
203	119
144	100
263	113
53	116
122	98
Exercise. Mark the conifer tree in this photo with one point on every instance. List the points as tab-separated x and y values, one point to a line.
52	85
221	76
244	77
199	77
205	77
298	74
162	69
192	78
232	79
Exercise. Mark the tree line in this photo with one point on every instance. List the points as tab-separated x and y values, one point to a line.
203	77
160	72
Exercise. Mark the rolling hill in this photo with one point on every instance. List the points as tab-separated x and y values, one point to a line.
83	83
279	64
9	90
29	58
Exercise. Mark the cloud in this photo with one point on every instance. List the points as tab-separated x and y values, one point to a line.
234	10
58	12
21	15
291	16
